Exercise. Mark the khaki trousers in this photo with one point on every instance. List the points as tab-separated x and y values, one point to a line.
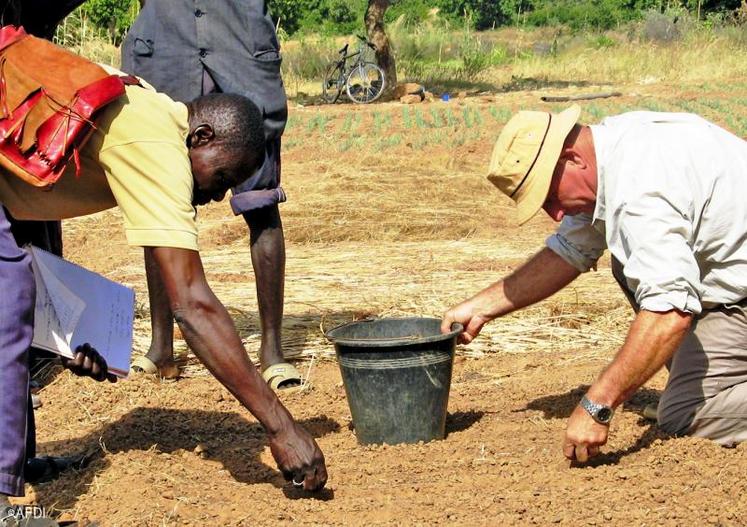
706	394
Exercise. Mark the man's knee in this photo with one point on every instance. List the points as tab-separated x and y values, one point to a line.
261	220
721	418
675	420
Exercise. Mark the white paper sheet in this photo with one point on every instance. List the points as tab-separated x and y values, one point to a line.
76	306
57	311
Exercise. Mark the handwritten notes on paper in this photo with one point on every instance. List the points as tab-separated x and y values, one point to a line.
76	306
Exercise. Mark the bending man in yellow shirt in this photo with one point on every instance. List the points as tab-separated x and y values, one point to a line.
156	159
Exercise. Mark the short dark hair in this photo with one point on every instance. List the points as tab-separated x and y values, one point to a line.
236	122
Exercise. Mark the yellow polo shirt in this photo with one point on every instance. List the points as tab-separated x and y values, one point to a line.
136	159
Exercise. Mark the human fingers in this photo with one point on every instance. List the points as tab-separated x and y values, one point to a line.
104	366
465	338
569	450
74	364
87	363
101	369
321	476
96	373
315	477
582	453
78	359
310	482
446	322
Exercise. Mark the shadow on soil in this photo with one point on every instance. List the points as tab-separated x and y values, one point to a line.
460	421
533	83
440	87
298	328
223	436
561	406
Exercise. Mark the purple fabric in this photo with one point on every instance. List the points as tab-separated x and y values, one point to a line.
16	331
256	199
263	188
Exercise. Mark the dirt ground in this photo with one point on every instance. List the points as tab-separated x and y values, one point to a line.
406	226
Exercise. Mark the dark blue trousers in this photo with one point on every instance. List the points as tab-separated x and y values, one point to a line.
17	296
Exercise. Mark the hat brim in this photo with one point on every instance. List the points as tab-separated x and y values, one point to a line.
533	192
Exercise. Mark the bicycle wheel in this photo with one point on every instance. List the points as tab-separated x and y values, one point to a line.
333	82
365	83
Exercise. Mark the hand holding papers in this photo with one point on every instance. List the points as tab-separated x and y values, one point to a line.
75	306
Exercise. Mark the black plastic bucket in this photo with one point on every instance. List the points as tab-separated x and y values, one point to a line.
397	375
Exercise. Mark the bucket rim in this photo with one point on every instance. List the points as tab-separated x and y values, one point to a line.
456	329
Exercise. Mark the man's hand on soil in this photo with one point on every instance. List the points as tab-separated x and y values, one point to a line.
583	436
88	363
299	458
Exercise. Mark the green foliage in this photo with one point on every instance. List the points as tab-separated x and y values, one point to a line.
337	17
583	14
481	14
602	41
310	59
114	16
327	17
409	12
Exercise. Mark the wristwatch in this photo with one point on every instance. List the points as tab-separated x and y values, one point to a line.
600	413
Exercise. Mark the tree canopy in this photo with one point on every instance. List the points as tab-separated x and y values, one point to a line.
347	16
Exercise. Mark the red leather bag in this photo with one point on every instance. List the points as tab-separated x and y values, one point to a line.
48	101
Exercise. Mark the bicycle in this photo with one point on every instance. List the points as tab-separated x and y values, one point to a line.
363	81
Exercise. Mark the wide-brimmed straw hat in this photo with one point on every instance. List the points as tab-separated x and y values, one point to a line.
525	156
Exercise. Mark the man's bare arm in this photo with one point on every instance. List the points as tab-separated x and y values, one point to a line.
541	276
652	340
211	334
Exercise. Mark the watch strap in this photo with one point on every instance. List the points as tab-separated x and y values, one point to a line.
599	412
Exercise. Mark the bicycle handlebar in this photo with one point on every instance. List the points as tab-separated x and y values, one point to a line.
368	43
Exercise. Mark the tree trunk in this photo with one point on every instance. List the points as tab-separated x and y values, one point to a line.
374	20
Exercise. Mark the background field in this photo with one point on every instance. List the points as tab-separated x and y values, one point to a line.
389	213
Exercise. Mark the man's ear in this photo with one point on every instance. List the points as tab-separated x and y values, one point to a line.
201	135
572	155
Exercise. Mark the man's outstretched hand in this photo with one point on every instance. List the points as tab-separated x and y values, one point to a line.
299	458
469	314
88	363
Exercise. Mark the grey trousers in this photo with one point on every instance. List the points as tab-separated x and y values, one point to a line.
706	394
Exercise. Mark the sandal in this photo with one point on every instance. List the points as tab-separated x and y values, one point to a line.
283	377
143	365
650	411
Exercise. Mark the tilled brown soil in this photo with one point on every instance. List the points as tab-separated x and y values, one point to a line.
185	453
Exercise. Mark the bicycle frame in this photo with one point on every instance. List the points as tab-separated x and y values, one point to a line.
345	67
344	71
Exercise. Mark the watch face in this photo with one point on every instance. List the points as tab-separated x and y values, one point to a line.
604	414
